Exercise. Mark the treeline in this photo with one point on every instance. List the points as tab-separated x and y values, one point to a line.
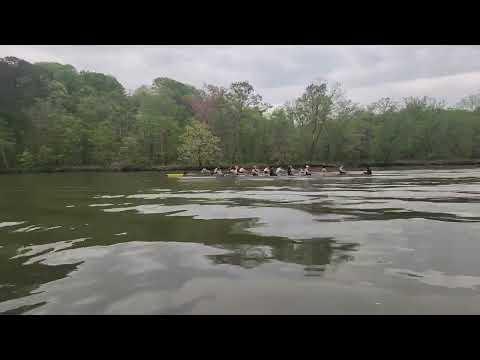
52	115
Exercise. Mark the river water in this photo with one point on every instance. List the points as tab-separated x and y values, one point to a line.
400	242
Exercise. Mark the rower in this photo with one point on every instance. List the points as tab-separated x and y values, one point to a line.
205	171
307	170
272	173
368	171
290	170
254	171
266	171
341	171
217	171
279	171
242	171
233	170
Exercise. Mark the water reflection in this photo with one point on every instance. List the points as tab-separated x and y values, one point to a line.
315	255
162	246
19	280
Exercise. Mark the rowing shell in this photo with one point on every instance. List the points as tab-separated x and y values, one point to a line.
279	177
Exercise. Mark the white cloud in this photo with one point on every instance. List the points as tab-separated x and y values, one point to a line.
450	88
280	73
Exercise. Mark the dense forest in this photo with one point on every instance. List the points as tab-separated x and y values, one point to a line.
52	115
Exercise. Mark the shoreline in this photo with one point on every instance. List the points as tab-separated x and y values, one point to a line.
396	165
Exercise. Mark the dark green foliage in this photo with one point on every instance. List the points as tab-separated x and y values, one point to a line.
52	115
7	142
25	160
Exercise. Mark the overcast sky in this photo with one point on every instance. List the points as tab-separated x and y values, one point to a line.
280	73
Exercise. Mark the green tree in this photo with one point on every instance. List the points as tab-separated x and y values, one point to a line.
52	114
105	146
45	156
130	152
243	105
26	160
198	145
311	111
282	134
7	141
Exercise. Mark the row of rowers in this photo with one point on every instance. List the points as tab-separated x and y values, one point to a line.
268	171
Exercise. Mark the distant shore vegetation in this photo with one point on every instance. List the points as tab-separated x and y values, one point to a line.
53	116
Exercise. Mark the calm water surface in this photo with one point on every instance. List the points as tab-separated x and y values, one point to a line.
136	243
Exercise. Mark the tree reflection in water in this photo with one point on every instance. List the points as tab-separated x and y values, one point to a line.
315	254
